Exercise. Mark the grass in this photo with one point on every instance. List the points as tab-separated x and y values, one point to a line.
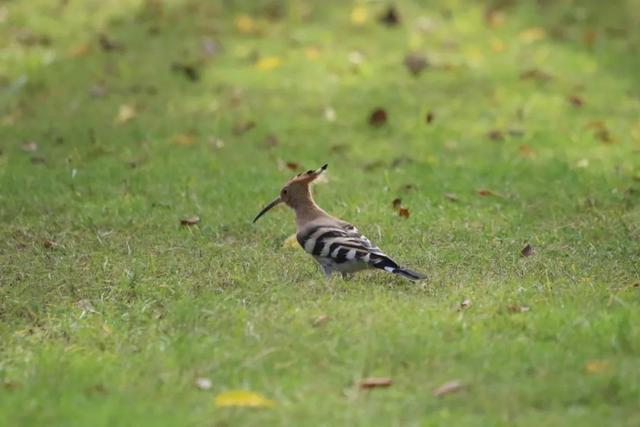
112	320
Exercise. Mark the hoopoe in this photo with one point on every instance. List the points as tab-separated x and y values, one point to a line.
335	244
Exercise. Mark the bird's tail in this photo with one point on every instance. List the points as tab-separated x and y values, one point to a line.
409	274
387	264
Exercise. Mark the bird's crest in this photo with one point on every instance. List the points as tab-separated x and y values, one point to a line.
308	176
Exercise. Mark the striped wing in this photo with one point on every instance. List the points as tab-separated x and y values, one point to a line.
340	243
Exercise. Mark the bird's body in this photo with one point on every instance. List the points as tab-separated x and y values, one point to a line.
335	244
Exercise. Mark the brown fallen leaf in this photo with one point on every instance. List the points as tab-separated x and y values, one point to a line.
448	388
374	382
38	160
396	203
494	17
244	126
525	150
527	251
49	244
78	50
590	36
535	74
415	63
191	220
378	117
576	100
485	192
496	135
515	308
429	117
404	212
184	139
188	70
390	17
108	44
319	320
451	197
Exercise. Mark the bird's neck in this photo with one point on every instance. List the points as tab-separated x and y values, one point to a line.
307	210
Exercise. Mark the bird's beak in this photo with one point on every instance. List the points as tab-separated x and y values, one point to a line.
274	203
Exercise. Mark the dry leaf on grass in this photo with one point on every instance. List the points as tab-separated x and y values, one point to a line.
203	383
192	220
268	63
188	70
319	320
596	366
184	139
415	63
575	100
451	197
485	192
359	15
448	388
466	303
496	135
404	212
527	251
535	74
525	150
390	17
126	113
374	382
533	34
515	308
378	117
49	244
30	146
242	398
429	117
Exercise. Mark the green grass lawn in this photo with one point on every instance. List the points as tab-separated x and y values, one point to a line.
120	118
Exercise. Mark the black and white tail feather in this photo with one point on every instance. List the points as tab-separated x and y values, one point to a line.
340	247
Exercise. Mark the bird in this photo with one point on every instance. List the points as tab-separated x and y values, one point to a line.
335	244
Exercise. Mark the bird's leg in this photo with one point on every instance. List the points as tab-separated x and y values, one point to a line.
327	272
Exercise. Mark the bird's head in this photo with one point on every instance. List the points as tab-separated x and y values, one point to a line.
296	191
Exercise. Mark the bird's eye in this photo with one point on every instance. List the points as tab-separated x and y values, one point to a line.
284	191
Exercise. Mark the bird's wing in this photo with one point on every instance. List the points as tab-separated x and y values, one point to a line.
341	242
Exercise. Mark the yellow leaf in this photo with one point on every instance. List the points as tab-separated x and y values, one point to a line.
245	24
596	366
184	139
290	242
533	34
78	50
497	45
359	15
268	63
312	53
126	112
242	398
